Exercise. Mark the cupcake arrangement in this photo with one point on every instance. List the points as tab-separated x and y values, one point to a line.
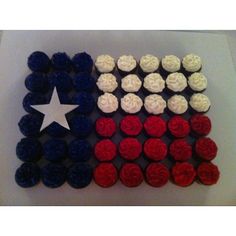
137	121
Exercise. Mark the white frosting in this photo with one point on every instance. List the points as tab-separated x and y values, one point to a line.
154	104
131	83
131	103
107	82
126	63
200	102
176	82
177	104
149	63
105	63
192	62
107	103
154	83
197	82
171	63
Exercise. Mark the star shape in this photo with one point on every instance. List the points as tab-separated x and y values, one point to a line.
54	111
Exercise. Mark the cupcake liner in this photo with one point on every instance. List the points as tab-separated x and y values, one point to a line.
165	73
124	73
188	73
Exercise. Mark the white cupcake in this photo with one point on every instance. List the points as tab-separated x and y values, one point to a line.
126	64
192	63
176	82
177	104
107	83
171	63
197	82
131	83
131	103
105	63
149	63
200	102
154	83
154	104
107	103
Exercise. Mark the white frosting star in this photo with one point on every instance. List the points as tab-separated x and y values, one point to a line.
54	111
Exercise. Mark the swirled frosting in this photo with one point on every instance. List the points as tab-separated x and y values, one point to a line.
177	104
131	103
131	83
107	103
154	83
105	63
197	82
192	63
149	63
200	102
154	104
126	63
171	63
176	82
107	82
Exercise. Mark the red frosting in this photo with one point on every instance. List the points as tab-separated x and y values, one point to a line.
105	175
130	148
155	149
157	174
155	126
180	150
131	125
206	148
131	175
105	127
105	150
208	173
200	124
178	126
183	174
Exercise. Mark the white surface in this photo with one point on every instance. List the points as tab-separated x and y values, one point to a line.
218	67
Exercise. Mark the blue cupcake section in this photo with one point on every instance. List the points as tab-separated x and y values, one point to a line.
61	62
81	126
37	83
33	99
39	62
84	82
82	62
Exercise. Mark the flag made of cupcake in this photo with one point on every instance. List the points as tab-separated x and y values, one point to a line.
126	120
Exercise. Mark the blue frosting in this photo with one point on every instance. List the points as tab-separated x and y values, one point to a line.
33	99
61	61
37	83
56	130
39	62
84	82
82	62
81	126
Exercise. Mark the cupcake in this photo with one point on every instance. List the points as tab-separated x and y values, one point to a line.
180	150
155	126
126	64
154	104
176	82
178	127
131	83
191	63
131	125
170	64
105	127
105	64
107	83
107	103
82	62
200	125
131	103
148	64
177	104
154	83
199	102
197	82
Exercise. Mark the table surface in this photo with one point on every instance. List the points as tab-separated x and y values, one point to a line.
218	67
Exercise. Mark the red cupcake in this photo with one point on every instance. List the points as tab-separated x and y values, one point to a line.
178	127
157	174
131	125
105	127
105	150
208	173
180	150
105	175
131	175
206	148
155	126
130	148
183	174
155	149
200	124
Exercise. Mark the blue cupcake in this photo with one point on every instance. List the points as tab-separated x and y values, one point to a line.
81	126
85	101
61	61
56	130
53	175
55	150
84	82
30	125
39	62
61	80
82	62
37	83
79	150
29	150
27	175
79	175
